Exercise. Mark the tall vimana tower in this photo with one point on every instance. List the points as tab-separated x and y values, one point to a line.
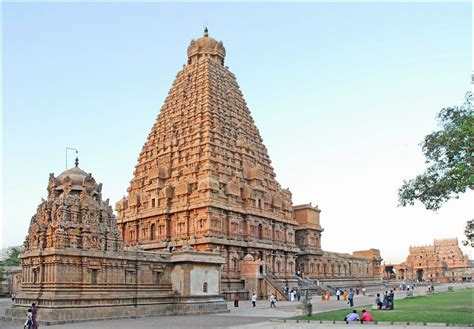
204	180
204	177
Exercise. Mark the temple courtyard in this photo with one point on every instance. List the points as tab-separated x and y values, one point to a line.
245	316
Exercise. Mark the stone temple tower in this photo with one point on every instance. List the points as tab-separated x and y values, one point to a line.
204	177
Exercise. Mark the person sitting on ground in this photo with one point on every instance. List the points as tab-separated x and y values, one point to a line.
353	316
366	316
378	302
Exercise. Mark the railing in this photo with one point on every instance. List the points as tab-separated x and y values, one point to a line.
275	285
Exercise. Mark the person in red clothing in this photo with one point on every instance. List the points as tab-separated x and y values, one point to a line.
366	316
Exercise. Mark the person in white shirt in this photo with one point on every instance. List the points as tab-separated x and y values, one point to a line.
254	300
272	300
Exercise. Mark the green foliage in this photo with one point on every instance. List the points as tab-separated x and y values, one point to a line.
448	307
9	256
449	153
469	232
307	306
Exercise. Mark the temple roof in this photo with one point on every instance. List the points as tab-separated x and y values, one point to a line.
206	45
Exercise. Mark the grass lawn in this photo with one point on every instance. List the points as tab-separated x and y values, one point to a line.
447	307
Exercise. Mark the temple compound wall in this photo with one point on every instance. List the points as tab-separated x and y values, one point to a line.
441	262
204	178
75	267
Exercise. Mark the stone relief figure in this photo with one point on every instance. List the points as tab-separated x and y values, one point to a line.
71	218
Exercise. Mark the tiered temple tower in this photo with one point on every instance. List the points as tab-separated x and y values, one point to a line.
204	176
75	267
443	261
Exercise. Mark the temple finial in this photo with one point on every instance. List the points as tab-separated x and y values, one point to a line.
77	162
206	32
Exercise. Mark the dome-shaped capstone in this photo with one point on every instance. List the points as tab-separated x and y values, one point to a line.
206	47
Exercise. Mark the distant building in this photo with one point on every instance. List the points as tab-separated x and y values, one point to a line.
441	262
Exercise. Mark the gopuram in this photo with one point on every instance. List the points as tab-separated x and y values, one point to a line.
75	267
443	261
204	178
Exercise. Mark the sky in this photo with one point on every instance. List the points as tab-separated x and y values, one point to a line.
342	93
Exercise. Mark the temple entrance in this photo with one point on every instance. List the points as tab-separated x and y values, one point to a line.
401	274
420	274
260	231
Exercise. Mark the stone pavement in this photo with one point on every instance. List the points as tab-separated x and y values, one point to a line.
243	317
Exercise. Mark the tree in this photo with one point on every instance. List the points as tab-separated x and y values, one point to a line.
9	257
449	154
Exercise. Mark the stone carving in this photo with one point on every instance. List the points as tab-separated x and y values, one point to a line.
74	205
204	177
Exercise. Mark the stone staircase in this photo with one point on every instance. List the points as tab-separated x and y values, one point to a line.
271	280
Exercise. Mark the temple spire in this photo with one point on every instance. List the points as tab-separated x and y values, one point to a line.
206	32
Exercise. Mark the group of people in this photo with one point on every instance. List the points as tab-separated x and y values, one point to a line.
388	301
272	300
293	294
346	295
31	316
354	316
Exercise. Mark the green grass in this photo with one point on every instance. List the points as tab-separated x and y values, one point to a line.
448	307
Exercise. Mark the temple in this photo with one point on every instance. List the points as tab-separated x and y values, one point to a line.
75	267
204	178
443	261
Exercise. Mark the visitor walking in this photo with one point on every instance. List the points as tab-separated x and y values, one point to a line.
236	300
338	294
363	291
34	315
344	295
351	297
254	300
29	320
272	300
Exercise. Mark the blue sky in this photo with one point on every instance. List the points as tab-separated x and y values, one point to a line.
342	94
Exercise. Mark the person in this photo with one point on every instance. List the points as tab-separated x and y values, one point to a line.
323	295
353	316
236	300
392	299
298	295
363	291
385	301
378	302
344	295
351	297
328	295
29	319
254	300
272	300
338	294
34	312
366	316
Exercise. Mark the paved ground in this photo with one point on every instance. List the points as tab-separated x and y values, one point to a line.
243	317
